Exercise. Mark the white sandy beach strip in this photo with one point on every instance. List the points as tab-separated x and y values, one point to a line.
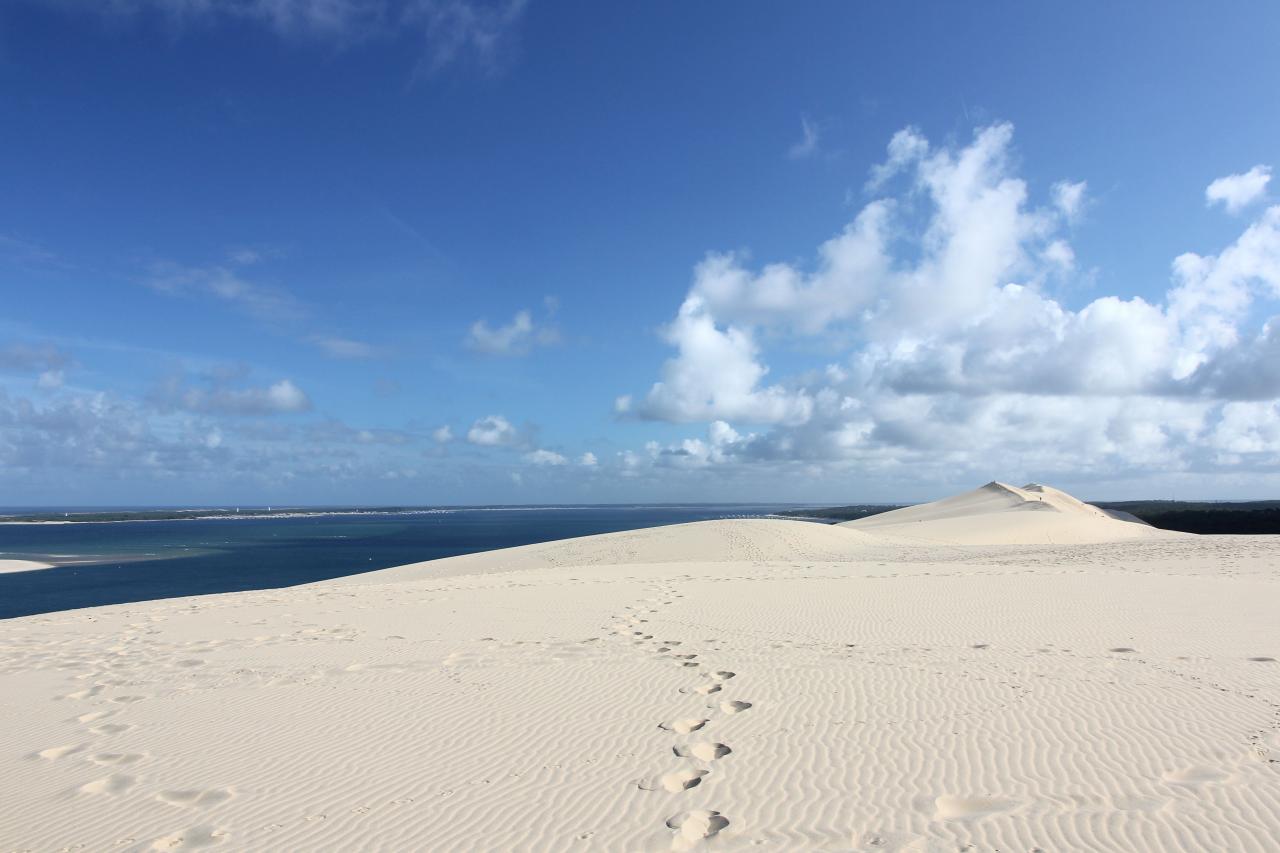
7	566
745	684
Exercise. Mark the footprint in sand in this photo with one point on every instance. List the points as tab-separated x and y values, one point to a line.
116	783
191	839
685	726
1199	775
694	826
950	807
702	751
723	675
734	707
55	752
682	780
674	782
1122	650
702	689
1262	660
195	797
116	758
111	728
93	716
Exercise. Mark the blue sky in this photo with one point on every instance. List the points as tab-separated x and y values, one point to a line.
433	251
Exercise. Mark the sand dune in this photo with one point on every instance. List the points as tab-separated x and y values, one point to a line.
765	685
999	514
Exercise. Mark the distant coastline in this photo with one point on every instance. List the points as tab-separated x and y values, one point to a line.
229	514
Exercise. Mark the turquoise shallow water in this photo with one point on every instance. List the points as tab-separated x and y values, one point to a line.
142	561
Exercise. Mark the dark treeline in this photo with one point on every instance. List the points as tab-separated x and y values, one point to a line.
1244	517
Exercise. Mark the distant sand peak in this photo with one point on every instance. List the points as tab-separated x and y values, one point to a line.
998	513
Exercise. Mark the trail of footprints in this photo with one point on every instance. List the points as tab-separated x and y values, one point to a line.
696	758
120	765
120	782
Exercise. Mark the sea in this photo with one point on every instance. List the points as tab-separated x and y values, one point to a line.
129	561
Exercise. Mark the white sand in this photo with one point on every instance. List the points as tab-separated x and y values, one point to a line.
7	566
999	514
774	685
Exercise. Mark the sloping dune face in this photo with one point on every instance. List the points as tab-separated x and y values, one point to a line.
727	541
1000	514
743	684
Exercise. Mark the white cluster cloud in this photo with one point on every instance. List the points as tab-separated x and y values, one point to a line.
546	457
1236	192
518	337
493	431
89	433
954	350
716	374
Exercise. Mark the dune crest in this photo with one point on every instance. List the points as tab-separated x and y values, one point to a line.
1000	514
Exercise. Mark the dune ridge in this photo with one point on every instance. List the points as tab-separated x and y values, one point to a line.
1000	514
741	684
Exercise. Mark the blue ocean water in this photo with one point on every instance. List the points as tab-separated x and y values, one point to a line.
146	560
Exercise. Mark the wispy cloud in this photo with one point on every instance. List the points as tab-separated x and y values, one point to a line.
32	358
455	31
29	254
336	347
807	145
229	285
273	306
224	393
46	361
477	32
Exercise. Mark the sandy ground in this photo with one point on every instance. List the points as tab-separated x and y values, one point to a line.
747	684
22	566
